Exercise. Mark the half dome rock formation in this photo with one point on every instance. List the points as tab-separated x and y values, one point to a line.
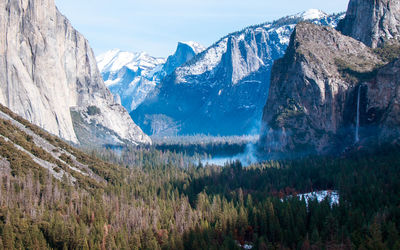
372	22
222	90
185	51
49	75
332	92
132	77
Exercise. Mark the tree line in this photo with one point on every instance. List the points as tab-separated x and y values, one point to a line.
163	200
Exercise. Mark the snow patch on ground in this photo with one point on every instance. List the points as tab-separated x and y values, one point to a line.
320	196
283	33
210	59
197	47
246	246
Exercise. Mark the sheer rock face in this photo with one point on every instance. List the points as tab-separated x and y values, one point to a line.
373	22
222	91
48	69
131	77
185	51
312	101
331	82
380	104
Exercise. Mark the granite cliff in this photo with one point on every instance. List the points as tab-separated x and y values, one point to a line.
331	92
373	22
49	75
222	90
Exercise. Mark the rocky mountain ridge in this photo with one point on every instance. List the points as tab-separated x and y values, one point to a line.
373	23
25	147
49	75
131	77
185	51
331	92
222	90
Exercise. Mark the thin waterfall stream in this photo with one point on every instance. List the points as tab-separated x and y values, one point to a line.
357	139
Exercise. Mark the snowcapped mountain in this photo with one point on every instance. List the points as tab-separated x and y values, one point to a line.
129	76
310	14
114	60
132	76
223	89
334	91
184	53
195	46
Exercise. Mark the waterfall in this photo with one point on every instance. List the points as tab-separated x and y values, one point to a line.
357	139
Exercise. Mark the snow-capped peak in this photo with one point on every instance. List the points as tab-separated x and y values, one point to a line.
197	47
114	60
311	14
132	76
106	57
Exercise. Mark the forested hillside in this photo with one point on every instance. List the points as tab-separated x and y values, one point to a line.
154	200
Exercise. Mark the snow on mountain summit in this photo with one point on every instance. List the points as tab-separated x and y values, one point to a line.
129	76
115	60
185	51
311	14
132	76
277	34
105	58
222	90
197	47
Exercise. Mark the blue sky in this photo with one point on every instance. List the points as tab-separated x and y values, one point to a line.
155	26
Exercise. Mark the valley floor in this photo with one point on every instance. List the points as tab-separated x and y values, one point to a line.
161	199
54	196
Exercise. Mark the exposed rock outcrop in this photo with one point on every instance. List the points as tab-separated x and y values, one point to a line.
332	92
373	22
185	51
312	88
380	109
131	77
47	70
222	90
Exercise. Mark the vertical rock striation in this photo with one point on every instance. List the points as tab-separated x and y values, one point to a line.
331	87
311	94
222	90
373	22
185	51
47	70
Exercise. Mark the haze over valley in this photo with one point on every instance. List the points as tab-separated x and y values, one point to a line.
278	134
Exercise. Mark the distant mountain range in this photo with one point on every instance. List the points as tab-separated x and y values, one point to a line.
222	90
132	76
